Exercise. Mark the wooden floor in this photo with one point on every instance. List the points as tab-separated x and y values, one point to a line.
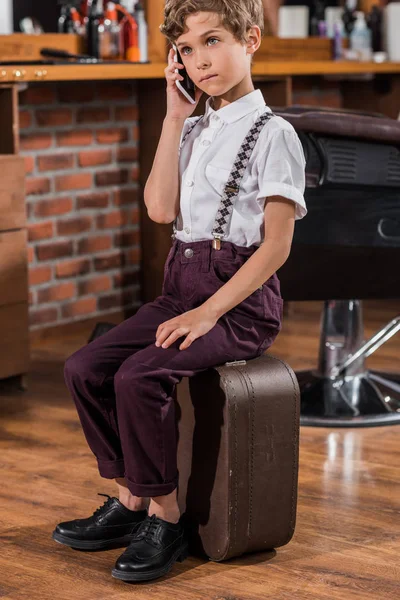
347	539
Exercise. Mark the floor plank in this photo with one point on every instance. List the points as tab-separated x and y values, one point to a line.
347	539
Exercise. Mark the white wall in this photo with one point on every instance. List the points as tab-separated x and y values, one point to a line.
6	22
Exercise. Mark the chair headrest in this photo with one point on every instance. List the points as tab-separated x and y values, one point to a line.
346	124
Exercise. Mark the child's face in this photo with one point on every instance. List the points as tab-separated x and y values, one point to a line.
218	53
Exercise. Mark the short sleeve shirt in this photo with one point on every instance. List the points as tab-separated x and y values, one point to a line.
276	167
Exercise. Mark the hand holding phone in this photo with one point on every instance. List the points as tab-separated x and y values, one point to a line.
179	106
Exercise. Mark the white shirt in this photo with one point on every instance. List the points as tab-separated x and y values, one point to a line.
276	167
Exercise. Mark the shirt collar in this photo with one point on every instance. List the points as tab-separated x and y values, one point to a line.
237	109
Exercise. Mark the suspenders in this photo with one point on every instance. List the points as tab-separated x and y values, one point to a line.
231	191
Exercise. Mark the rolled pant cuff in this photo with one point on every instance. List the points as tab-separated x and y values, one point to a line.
151	490
111	469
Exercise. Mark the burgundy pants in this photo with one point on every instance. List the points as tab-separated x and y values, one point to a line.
123	385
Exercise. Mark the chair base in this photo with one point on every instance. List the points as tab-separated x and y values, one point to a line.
368	399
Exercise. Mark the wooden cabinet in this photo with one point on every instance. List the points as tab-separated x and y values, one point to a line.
12	193
14	340
14	326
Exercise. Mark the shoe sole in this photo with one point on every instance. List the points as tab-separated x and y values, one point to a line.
92	544
179	556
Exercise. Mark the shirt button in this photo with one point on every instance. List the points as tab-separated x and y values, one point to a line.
187	230
190	183
206	142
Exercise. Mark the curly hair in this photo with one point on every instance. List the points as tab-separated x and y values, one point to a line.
237	16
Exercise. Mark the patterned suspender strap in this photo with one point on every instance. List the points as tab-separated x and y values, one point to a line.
191	127
231	191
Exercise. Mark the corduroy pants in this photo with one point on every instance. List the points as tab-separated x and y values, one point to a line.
123	385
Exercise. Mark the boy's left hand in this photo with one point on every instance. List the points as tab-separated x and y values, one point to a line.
193	324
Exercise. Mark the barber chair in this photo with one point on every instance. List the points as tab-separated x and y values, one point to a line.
345	250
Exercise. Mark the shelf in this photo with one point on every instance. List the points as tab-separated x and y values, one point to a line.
79	72
322	67
156	70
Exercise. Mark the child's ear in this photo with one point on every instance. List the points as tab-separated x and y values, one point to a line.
253	38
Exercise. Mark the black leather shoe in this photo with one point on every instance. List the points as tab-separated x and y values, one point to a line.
112	525
153	550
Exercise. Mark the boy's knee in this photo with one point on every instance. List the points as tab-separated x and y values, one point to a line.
76	364
122	379
70	367
128	377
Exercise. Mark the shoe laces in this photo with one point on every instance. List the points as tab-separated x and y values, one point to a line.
147	530
106	503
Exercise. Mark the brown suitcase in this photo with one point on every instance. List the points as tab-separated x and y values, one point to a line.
238	445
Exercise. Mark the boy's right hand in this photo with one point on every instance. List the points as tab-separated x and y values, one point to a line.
178	107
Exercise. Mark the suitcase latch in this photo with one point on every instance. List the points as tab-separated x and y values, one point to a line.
235	362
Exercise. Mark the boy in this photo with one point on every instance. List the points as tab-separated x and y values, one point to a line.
232	183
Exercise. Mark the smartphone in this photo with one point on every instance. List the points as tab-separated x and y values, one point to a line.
186	86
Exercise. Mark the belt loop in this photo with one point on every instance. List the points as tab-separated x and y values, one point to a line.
206	259
174	248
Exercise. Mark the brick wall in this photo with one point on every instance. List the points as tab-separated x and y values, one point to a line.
80	143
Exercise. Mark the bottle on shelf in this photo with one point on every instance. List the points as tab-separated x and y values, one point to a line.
322	29
92	29
142	32
375	23
109	32
338	31
348	16
361	38
317	9
76	23
83	11
130	34
65	19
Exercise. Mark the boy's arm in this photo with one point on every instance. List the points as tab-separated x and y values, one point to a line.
272	254
161	192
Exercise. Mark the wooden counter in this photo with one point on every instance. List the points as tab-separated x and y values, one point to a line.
156	70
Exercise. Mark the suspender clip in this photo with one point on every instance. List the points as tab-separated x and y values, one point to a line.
216	243
233	189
